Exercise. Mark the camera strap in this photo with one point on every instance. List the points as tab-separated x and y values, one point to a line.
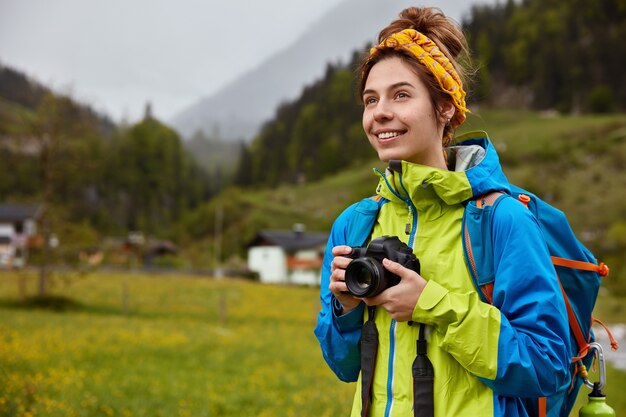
369	349
423	371
423	379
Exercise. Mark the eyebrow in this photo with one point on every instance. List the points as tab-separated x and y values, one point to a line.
391	87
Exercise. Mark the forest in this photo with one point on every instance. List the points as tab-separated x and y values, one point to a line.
94	179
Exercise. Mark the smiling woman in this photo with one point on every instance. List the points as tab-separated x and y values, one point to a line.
473	357
399	118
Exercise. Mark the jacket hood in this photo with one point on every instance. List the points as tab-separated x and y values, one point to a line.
474	170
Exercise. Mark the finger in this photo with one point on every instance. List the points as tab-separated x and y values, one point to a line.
340	291
338	275
369	301
338	287
396	268
342	250
340	263
377	300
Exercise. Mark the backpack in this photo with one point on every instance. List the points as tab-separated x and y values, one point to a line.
576	267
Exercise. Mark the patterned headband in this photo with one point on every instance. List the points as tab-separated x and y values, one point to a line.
429	54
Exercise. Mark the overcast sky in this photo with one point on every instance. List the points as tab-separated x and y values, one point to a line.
117	54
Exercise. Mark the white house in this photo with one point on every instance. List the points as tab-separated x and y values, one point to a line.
284	256
18	224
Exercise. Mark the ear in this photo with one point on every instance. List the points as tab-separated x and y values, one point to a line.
446	111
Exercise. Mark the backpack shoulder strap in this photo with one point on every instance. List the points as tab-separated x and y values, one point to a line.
362	220
489	199
479	256
477	242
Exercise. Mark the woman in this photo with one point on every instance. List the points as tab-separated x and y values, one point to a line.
488	359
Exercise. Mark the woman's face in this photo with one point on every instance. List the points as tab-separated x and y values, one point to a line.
399	117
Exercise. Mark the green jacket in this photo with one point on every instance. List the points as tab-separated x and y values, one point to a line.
485	356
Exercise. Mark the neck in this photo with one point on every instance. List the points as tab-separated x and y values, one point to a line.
432	159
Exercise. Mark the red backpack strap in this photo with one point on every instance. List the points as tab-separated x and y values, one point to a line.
581	340
542	406
601	269
614	344
487	291
488	199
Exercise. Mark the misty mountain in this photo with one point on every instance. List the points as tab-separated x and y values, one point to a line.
238	110
19	91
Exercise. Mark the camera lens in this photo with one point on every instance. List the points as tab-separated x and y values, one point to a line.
364	277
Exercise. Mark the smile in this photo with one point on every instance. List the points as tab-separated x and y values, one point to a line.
389	135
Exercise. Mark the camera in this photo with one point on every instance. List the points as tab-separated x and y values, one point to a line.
365	274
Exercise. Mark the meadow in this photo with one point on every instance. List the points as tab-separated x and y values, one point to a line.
132	344
140	345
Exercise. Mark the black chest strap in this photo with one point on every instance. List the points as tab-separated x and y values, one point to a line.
423	372
369	349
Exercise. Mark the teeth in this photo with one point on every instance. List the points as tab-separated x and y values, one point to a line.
388	135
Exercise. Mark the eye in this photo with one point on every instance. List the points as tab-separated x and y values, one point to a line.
369	100
402	94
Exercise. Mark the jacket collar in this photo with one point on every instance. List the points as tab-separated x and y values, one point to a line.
474	170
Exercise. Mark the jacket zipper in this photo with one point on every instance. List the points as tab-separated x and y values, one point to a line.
411	226
411	230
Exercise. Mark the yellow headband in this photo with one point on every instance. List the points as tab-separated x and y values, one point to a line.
429	54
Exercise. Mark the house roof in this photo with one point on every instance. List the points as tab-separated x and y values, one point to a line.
289	240
18	212
162	247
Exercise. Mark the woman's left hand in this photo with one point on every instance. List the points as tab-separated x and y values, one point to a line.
399	300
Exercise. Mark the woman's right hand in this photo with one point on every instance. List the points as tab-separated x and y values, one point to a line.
338	279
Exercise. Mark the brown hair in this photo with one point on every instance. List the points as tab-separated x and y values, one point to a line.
448	36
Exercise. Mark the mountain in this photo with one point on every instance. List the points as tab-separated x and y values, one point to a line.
19	93
239	109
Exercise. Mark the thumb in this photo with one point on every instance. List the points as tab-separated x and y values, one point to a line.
394	267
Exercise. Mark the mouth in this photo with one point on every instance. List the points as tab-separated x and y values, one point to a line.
388	135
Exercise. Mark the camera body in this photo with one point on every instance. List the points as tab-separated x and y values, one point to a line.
366	276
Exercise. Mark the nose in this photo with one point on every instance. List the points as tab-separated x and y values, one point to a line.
382	111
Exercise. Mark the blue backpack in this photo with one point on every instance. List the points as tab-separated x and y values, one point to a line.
577	270
576	267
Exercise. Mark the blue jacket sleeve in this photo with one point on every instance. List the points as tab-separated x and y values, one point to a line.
533	356
338	335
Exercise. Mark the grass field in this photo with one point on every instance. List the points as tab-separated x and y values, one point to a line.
164	345
185	347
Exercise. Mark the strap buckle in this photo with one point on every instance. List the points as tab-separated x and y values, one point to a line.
601	366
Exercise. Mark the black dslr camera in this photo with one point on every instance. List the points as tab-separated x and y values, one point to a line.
366	276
